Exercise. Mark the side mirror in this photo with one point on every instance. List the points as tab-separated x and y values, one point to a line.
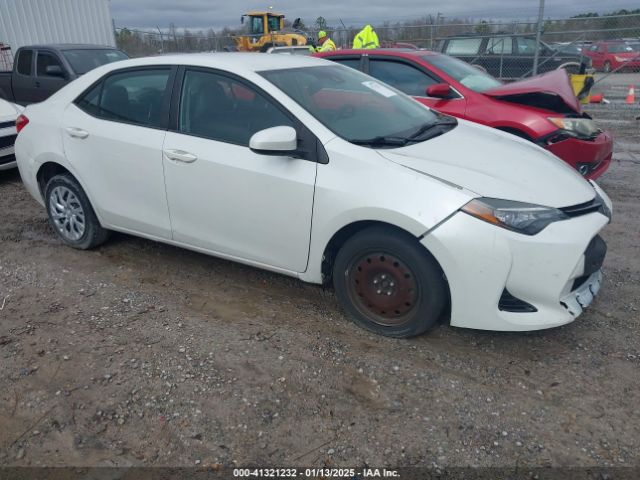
54	71
277	141
439	90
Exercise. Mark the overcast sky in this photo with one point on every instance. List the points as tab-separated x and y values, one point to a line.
202	14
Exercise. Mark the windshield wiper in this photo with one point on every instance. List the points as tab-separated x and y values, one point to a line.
382	141
448	122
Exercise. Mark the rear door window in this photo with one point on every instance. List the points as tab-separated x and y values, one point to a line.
463	46
25	62
500	46
135	96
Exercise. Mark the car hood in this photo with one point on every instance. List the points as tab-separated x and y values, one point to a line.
495	164
551	91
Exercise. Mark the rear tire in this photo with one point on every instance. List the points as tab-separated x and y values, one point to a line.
71	214
389	283
607	67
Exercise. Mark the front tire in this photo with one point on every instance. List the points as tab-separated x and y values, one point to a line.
389	283
71	214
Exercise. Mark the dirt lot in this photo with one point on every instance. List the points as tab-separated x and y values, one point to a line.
143	354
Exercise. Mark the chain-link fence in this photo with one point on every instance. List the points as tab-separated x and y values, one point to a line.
505	50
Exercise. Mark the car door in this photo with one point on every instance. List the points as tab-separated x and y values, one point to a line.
596	52
113	135
23	79
414	80
223	197
48	82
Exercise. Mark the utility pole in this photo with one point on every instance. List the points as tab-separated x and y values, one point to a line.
538	35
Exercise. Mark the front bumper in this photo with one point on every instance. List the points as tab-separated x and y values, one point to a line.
546	271
590	157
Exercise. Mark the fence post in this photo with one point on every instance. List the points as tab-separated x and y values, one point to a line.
538	35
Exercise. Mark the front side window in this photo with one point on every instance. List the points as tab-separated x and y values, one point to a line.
463	46
257	26
348	62
620	48
45	60
500	46
131	97
351	104
468	75
404	77
220	108
25	59
274	24
85	60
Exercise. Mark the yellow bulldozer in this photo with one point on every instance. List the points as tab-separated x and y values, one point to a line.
266	30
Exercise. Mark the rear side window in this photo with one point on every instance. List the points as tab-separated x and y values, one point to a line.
130	97
25	61
221	108
463	46
404	77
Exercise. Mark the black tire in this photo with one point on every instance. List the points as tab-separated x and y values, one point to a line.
92	234
412	297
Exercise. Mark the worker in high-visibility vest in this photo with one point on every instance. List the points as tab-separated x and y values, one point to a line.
366	38
325	44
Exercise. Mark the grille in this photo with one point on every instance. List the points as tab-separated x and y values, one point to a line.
583	208
509	303
8	141
7	159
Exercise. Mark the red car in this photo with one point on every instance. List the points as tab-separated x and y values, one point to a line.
613	55
541	109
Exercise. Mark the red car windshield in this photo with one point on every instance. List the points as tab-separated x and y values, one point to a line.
619	48
471	77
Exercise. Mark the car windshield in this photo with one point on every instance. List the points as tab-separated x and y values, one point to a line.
357	107
471	77
84	60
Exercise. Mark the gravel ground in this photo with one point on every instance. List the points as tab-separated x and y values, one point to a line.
143	354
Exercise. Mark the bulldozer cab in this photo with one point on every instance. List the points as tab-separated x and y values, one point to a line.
266	30
261	23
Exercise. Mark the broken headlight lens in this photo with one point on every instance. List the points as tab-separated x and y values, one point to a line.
583	128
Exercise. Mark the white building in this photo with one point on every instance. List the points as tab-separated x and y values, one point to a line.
30	22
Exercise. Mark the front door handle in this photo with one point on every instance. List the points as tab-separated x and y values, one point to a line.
77	133
180	156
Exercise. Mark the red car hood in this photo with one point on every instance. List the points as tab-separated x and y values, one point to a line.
551	91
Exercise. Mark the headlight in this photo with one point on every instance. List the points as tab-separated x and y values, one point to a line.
517	216
621	59
584	128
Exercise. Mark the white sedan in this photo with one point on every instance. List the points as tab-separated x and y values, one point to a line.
8	114
314	170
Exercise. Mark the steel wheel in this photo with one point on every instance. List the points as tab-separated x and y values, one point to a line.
383	288
67	213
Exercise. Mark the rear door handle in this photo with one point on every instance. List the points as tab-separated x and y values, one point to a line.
180	156
77	132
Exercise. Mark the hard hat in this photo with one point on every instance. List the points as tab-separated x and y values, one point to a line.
322	34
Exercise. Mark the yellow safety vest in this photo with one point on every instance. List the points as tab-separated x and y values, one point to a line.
366	39
327	46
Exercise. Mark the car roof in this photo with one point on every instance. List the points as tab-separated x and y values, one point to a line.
401	52
70	46
231	61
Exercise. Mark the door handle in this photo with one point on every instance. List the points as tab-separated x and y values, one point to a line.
37	84
180	156
77	132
